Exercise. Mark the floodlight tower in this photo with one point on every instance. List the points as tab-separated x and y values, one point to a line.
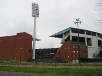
35	14
77	21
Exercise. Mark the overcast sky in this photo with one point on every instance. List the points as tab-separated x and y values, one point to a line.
54	16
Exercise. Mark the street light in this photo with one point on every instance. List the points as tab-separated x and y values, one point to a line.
77	21
35	14
20	55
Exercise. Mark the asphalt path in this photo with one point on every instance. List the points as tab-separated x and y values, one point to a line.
5	73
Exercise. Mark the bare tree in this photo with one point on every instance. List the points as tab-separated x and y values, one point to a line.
98	8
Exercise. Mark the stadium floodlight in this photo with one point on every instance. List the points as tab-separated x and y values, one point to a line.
77	21
35	14
35	10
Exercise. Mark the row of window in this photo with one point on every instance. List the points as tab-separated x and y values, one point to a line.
77	47
74	52
66	48
82	56
80	51
87	33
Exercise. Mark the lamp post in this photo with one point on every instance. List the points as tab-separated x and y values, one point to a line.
20	55
77	21
35	14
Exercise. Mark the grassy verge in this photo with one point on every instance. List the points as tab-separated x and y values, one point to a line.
51	64
53	71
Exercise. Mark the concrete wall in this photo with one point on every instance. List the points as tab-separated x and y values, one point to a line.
94	49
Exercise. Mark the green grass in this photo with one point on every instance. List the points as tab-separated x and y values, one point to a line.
51	64
53	71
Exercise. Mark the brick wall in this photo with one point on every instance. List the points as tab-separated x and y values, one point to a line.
69	52
23	47
14	47
7	47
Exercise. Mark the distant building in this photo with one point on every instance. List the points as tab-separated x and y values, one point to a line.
16	47
45	53
90	44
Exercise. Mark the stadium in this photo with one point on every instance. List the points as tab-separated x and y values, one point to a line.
90	44
19	47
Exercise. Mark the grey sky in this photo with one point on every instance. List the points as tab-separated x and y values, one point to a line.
54	16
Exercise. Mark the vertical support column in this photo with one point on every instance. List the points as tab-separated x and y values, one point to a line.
96	34
35	14
77	21
85	38
70	34
96	39
34	36
78	44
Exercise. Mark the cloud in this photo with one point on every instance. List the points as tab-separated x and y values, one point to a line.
54	16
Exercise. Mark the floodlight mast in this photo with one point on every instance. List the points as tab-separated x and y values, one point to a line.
35	14
77	21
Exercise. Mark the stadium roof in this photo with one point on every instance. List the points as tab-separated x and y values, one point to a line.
60	34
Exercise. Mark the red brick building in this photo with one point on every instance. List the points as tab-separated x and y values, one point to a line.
16	47
69	52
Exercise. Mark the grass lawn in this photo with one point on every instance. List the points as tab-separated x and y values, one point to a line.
51	64
53	71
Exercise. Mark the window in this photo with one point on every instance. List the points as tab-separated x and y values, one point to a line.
81	56
73	55
80	47
65	48
73	51
68	56
84	51
80	51
65	56
84	47
73	46
84	56
99	43
68	47
77	51
59	53
77	55
68	51
29	51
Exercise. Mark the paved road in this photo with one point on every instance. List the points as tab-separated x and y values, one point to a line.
5	73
